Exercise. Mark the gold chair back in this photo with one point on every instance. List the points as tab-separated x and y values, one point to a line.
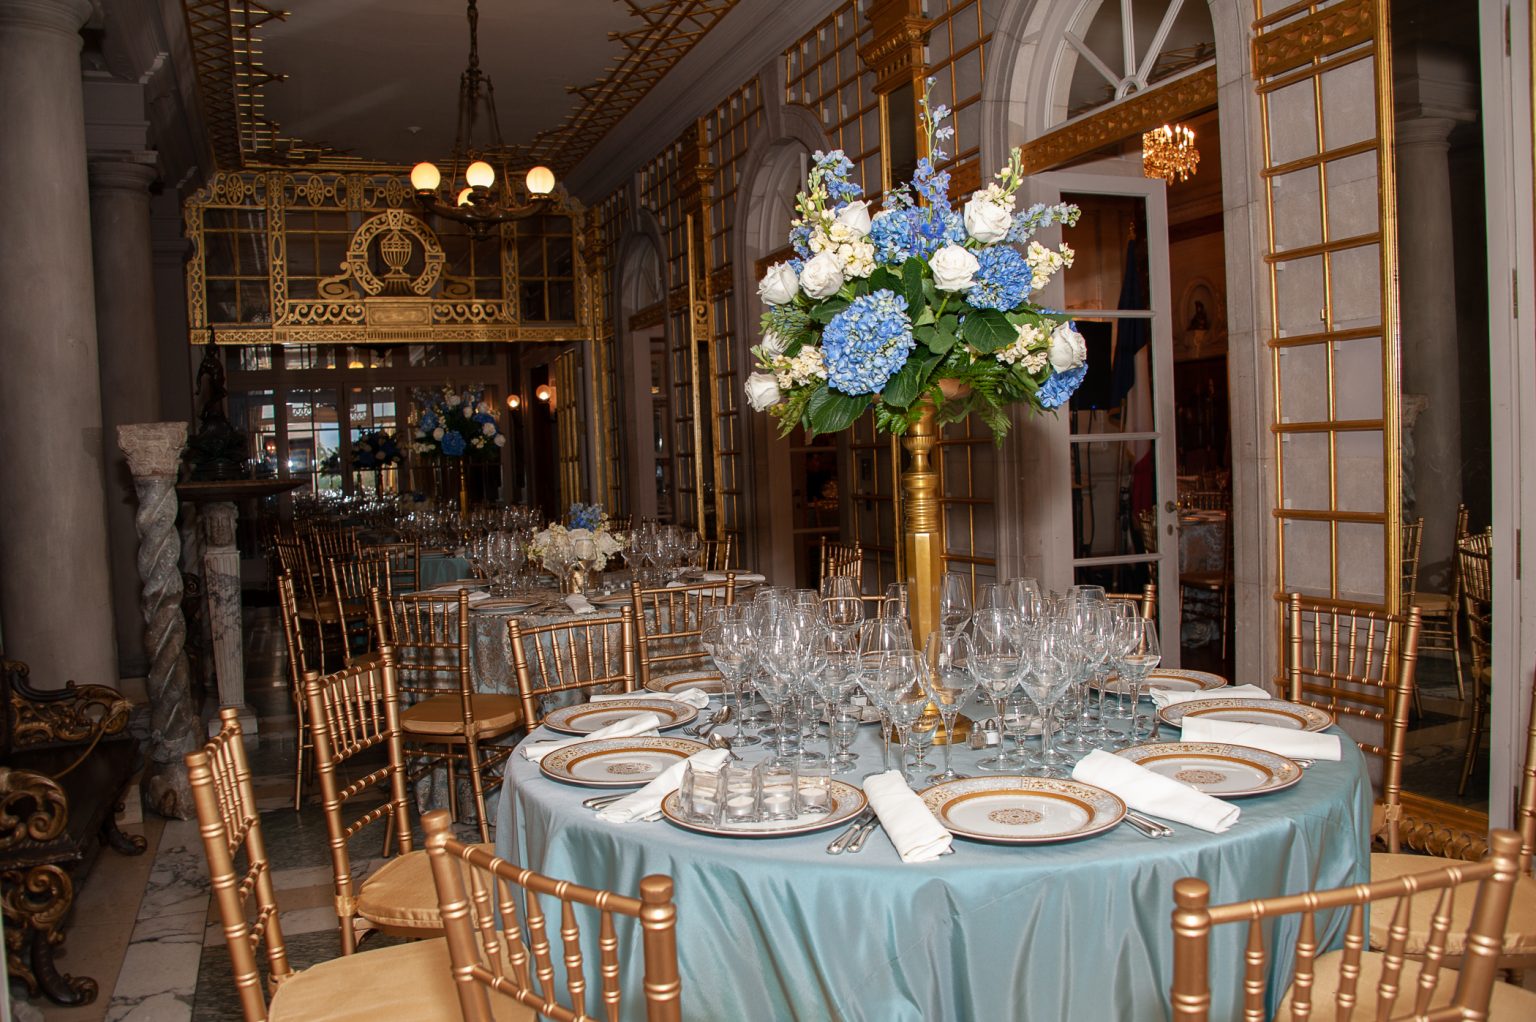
335	542
350	712
227	818
1145	601
1408	565
570	655
499	940
669	623
718	553
404	559
841	559
1474	556
429	633
351	582
1525	812
1205	500
1396	993
1358	664
1146	528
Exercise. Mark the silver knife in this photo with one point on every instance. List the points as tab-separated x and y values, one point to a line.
1162	829
841	841
857	844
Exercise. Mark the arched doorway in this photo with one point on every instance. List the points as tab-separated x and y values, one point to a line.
646	388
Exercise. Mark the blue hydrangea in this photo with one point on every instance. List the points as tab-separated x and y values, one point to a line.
907	231
429	421
1054	392
891	234
483	417
934	228
584	516
1002	281
867	343
453	444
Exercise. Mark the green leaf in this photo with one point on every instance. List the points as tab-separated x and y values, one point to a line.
912	283
832	412
824	312
884	280
924	317
908	384
988	330
940	340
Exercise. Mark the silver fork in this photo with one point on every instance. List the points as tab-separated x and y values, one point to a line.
839	843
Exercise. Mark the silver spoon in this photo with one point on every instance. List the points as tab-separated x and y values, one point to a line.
720	716
722	742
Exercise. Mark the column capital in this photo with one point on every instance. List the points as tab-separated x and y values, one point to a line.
153	448
1434	132
66	17
128	173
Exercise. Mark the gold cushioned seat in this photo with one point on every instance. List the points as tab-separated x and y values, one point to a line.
444	714
1519	934
1509	1003
401	895
409	981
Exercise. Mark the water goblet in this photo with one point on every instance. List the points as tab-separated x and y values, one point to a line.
950	686
921	741
996	660
846	718
1138	662
954	600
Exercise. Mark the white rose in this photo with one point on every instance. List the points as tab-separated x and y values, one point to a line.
501	440
437	434
762	391
1068	349
778	285
488	428
855	217
986	221
823	275
954	269
773	344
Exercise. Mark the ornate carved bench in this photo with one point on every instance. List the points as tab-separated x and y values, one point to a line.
64	763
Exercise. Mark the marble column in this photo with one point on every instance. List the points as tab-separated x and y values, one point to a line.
1431	356
129	348
153	452
221	581
54	577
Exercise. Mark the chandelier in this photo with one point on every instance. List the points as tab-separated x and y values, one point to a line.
1169	153
477	202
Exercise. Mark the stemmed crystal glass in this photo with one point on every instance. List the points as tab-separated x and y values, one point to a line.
1082	648
950	685
1045	679
954	600
835	681
1143	654
899	681
877	639
996	660
733	653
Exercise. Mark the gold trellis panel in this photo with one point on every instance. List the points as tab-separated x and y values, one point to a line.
392	283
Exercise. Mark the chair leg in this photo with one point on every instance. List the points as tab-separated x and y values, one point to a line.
1226	603
1474	739
453	786
477	784
300	729
1461	689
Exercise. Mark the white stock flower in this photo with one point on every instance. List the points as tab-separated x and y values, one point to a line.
488	428
762	391
1043	263
855	217
779	284
501	440
1068	349
986	219
858	258
437	434
823	275
954	269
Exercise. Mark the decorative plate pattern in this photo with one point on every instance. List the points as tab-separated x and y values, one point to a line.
586	718
708	682
847	802
1274	712
616	762
1169	679
1226	771
1022	810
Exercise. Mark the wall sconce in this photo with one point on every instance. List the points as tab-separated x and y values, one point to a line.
514	402
546	393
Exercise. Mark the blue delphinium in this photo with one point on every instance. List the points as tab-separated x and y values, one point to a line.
1002	281
453	443
584	516
867	342
800	241
931	184
837	167
1054	392
1038	217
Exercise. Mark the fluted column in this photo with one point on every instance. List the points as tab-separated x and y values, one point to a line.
153	453
54	578
123	254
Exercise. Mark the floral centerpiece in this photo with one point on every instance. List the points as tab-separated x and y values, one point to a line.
585	538
456	423
919	302
376	450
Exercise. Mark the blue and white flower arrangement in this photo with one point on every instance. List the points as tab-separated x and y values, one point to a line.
586	537
918	302
456	423
375	450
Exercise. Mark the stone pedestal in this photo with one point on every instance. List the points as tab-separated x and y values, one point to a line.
154	456
54	576
221	579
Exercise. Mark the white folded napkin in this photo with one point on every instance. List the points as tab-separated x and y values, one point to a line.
1167	697
479	594
1149	792
918	837
629	727
693	697
646	801
579	604
1281	740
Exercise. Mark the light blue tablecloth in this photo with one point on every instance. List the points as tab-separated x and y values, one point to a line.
776	929
438	568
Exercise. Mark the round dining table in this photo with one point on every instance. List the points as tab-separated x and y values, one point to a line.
777	928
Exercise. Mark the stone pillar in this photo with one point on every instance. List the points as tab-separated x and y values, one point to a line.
54	578
154	454
221	581
1428	303
130	366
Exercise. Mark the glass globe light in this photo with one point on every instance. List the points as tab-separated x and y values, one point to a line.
480	175
425	177
540	180
464	195
514	402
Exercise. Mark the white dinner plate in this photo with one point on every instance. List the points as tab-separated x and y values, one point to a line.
1022	810
708	682
1170	679
504	604
1225	771
586	718
847	802
616	762
1273	712
459	583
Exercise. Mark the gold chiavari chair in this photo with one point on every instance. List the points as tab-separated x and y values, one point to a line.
1146	528
1217	581
351	582
571	655
1408	564
311	590
1441	612
1205	500
334	543
1358	664
499	940
669	626
1475	557
717	553
1354	982
448	720
841	559
408	981
350	712
404	559
298	666
1145	601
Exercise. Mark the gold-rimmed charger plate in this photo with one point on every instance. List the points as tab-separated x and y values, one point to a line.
1022	810
1225	771
1273	712
1169	679
708	682
589	717
616	762
847	802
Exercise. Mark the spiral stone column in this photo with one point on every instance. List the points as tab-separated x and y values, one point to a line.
154	451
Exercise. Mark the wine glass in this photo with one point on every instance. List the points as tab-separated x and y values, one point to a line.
1143	655
834	682
996	658
842	616
900	682
950	685
1045	679
877	638
954	600
839	587
733	654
